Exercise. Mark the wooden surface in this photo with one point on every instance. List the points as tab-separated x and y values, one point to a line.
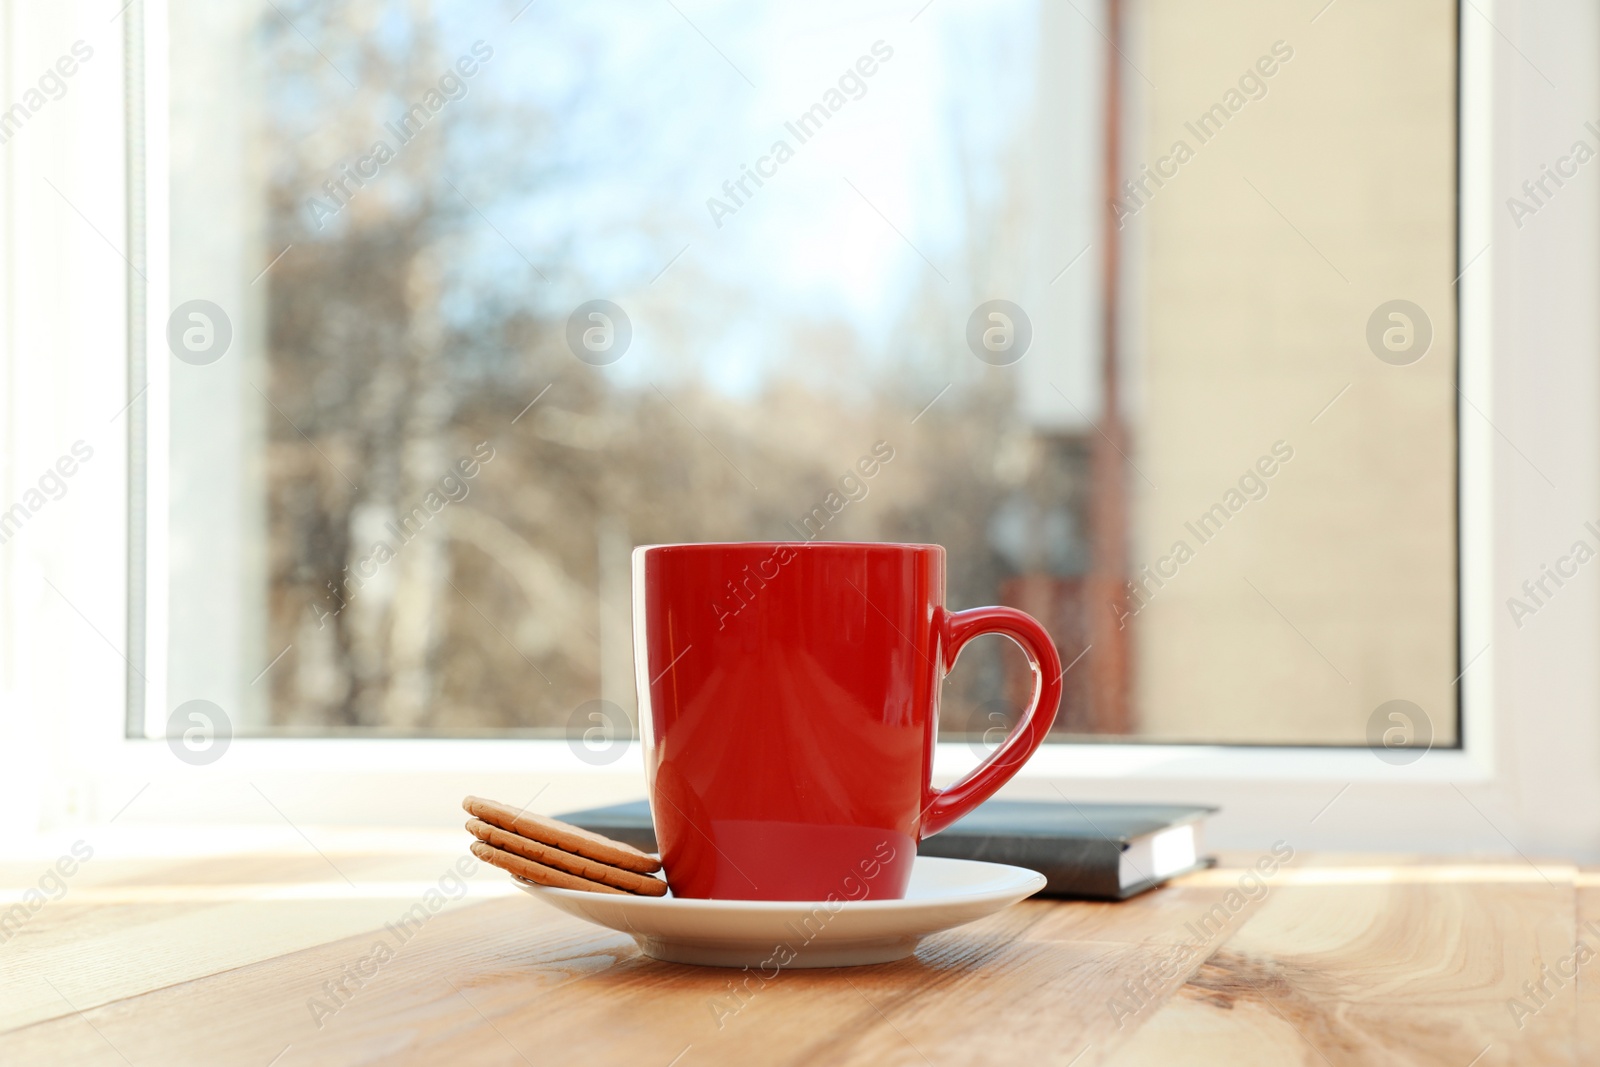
1332	960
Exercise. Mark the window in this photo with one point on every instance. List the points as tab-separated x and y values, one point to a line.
465	301
97	250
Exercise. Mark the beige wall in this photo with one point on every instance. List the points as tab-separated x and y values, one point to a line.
1242	329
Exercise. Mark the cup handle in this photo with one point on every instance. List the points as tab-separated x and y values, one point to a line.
944	806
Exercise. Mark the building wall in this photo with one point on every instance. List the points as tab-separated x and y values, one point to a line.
1253	273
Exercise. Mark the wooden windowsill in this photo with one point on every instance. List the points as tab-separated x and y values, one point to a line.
244	956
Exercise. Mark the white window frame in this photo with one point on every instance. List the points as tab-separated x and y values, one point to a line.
1526	779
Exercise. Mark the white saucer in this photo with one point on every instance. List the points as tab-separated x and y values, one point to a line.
943	893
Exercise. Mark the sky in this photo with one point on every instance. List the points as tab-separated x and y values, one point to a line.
653	110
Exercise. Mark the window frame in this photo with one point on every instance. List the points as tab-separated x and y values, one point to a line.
1526	776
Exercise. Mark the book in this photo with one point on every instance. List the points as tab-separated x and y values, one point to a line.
1085	851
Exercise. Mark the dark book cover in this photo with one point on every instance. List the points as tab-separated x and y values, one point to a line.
1086	851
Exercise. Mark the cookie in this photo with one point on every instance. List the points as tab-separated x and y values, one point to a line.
593	870
560	835
538	872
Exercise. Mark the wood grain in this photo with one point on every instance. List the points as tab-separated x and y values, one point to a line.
1586	1033
1379	962
96	945
1417	967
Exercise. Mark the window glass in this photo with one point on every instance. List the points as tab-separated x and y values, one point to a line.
468	299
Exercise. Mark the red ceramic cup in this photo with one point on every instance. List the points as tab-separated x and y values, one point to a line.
789	700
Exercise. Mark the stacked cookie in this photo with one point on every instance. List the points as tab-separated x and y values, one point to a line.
550	852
